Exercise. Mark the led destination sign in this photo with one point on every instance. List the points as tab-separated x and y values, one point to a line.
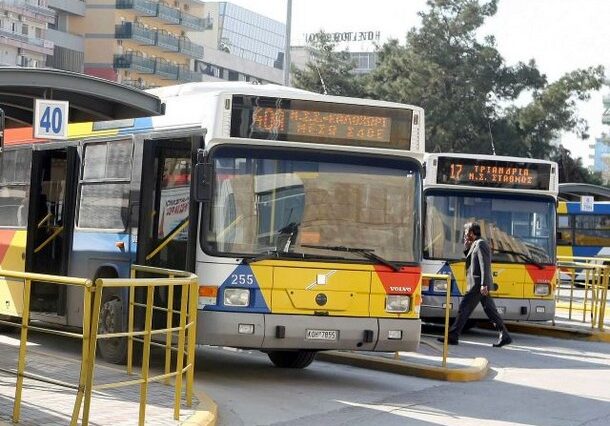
299	120
322	124
493	173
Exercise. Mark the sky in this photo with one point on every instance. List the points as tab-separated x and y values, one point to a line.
560	35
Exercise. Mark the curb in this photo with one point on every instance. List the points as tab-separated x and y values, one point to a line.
206	413
476	371
560	332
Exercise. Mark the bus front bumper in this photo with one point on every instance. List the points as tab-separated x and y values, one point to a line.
509	308
290	332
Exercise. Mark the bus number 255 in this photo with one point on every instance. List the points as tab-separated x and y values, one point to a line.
242	279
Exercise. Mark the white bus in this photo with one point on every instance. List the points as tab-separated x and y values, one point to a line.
514	201
304	233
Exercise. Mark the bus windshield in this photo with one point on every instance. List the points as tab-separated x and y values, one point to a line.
518	229
284	201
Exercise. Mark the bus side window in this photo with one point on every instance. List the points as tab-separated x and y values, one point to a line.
564	231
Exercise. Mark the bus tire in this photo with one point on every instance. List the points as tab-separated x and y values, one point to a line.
112	321
292	359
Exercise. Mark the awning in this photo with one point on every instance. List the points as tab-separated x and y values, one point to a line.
91	98
573	191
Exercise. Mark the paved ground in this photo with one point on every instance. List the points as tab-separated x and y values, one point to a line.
549	381
49	405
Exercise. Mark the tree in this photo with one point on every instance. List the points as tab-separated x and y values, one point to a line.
328	71
469	92
571	170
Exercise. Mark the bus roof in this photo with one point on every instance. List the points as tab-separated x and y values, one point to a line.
185	107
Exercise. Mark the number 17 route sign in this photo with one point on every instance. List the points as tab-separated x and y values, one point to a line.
51	119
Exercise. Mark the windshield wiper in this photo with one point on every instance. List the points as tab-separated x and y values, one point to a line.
365	252
275	254
525	256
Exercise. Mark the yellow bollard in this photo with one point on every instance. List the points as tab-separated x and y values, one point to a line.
146	355
180	355
25	319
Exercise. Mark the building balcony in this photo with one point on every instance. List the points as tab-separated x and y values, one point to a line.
166	70
167	42
191	49
196	23
33	44
134	62
185	75
140	7
29	9
135	32
168	14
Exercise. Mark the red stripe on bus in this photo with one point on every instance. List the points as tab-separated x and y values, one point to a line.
20	136
404	281
6	238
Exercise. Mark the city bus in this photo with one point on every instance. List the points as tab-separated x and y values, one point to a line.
583	229
299	212
514	201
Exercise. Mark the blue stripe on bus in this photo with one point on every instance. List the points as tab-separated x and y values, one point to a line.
140	124
586	251
257	300
90	250
598	208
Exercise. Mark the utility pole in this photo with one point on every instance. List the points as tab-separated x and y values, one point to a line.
287	46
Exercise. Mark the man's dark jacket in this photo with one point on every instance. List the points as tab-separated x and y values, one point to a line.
478	262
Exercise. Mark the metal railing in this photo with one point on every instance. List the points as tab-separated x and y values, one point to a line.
593	274
92	302
87	286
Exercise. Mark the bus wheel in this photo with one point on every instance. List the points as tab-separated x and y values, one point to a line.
111	321
292	359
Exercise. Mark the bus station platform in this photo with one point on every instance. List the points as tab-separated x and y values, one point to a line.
48	404
427	361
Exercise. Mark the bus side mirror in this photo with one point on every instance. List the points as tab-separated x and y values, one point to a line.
202	185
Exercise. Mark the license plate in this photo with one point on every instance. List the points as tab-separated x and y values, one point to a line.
321	335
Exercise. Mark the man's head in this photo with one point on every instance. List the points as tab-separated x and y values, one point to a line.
472	231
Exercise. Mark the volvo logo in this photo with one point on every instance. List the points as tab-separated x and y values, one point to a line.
321	299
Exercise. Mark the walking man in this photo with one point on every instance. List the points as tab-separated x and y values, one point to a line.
479	281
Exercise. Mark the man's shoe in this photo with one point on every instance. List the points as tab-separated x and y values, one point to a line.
450	341
504	340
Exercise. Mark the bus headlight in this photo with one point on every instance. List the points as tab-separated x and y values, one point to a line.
438	286
542	289
397	303
236	297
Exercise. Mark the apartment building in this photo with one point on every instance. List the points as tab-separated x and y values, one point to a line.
23	26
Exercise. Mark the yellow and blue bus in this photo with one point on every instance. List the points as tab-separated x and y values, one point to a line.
514	200
304	234
583	228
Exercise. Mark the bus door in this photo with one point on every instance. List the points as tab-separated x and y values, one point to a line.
51	224
163	230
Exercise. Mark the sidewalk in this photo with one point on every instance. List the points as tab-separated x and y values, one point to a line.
50	405
426	362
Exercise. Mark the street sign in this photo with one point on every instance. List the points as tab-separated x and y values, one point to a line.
586	203
51	119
